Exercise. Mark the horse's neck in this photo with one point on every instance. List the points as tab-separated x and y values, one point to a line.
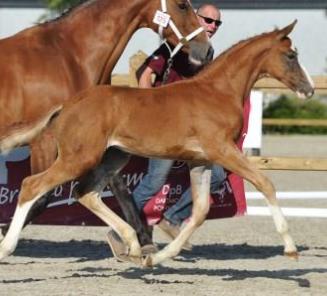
240	68
100	31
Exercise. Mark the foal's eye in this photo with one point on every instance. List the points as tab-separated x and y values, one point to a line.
183	5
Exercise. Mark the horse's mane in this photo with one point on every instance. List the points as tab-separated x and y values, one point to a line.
68	11
232	49
243	43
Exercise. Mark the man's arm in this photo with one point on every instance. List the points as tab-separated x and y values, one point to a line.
145	80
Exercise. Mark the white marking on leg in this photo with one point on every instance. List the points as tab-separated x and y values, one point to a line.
282	228
205	191
201	184
10	241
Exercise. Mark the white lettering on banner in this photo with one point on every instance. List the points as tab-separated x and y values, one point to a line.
165	189
58	191
15	155
175	191
160	200
7	196
133	179
158	208
73	184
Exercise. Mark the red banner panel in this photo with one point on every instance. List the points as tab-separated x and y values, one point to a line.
63	210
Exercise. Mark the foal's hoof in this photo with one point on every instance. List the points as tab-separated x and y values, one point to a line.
292	255
118	248
4	253
147	261
3	231
135	260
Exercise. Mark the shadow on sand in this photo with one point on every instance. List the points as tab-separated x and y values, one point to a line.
88	250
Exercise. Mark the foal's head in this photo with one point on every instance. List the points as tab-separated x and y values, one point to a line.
281	62
184	27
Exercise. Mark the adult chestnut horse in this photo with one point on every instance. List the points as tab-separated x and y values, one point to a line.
44	65
47	64
203	128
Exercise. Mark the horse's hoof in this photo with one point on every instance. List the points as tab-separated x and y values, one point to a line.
4	253
118	248
3	231
292	255
147	261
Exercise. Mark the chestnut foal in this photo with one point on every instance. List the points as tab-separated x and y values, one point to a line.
203	128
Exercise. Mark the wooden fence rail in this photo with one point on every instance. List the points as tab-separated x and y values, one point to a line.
294	122
289	163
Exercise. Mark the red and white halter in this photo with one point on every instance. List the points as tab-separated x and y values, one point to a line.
163	20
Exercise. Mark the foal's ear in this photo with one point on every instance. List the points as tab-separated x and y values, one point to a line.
285	31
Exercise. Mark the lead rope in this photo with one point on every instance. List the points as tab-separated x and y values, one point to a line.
167	71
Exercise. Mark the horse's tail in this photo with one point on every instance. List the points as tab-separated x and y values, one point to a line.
23	133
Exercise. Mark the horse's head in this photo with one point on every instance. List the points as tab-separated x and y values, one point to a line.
180	26
282	63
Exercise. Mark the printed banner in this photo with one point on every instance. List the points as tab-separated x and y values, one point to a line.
63	210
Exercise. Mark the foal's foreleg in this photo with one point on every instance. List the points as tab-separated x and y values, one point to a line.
233	160
33	188
200	185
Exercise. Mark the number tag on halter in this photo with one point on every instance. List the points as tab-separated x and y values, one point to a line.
161	18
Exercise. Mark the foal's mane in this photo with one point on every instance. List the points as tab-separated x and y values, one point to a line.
237	46
244	43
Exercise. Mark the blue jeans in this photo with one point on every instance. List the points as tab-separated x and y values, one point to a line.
158	170
156	177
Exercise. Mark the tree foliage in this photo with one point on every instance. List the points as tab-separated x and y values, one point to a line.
290	107
61	5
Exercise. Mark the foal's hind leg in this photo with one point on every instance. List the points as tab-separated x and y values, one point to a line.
108	170
33	188
200	185
233	160
94	203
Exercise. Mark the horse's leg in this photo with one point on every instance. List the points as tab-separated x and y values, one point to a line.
108	171
94	203
200	186
33	188
38	208
233	160
43	154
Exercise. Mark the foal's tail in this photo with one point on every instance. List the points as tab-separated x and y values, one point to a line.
23	133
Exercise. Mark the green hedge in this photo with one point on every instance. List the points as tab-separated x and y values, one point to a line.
291	107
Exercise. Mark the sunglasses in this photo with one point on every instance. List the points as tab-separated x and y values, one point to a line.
209	20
